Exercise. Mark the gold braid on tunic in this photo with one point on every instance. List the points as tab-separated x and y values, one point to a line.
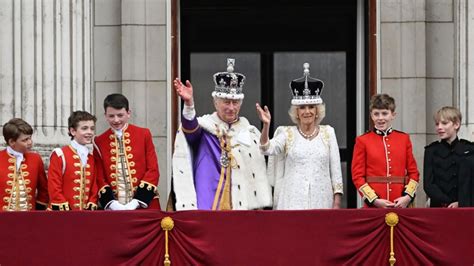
19	192
123	183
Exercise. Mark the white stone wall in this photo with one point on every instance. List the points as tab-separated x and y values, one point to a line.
440	50
45	65
426	58
130	57
464	64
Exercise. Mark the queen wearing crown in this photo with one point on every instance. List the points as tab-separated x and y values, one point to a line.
217	164
304	163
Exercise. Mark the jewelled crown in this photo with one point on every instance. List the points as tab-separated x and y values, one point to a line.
229	84
306	90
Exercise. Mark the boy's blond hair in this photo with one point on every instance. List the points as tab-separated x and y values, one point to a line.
448	113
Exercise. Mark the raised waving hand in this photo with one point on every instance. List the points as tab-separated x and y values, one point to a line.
184	91
266	118
264	114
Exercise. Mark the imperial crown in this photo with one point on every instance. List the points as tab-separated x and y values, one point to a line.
228	85
306	90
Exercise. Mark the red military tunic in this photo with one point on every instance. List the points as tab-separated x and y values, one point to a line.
142	163
76	187
34	178
383	166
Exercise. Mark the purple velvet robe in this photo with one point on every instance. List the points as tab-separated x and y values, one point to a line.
206	153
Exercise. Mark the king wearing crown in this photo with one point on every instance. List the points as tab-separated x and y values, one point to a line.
217	164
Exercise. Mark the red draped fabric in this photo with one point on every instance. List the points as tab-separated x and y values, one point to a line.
320	237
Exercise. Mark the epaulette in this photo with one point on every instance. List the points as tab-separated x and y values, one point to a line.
396	130
432	144
466	142
469	145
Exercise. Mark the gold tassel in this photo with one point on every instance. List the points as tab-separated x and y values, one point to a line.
218	190
224	187
391	219
167	224
225	203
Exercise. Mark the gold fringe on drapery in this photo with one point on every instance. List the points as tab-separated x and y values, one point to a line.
167	224
391	219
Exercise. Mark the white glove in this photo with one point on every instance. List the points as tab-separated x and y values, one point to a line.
132	205
116	206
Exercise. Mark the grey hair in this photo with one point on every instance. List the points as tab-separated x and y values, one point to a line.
320	113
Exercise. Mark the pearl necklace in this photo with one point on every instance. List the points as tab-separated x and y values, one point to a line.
310	135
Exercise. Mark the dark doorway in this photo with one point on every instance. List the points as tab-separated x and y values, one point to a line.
270	41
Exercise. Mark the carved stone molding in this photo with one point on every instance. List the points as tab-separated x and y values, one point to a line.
45	68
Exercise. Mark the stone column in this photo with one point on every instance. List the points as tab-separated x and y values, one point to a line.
464	58
144	71
404	71
45	65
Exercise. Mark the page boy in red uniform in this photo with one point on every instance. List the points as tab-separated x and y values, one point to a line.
23	184
130	164
383	167
72	171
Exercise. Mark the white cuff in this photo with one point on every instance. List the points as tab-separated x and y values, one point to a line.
265	146
189	112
